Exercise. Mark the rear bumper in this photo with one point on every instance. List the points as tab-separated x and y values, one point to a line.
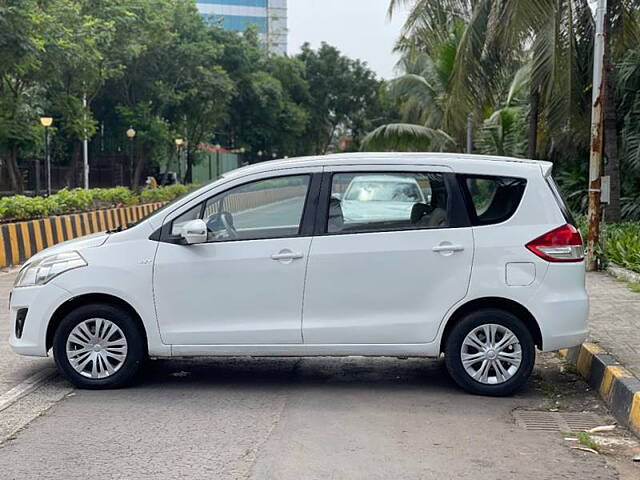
561	307
41	302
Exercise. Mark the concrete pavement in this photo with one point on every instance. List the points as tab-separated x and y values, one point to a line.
614	319
293	419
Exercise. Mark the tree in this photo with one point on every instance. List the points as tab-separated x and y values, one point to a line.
22	36
344	94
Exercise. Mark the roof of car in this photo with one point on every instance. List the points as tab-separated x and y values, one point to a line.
446	159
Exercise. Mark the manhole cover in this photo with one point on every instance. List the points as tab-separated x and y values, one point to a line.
556	421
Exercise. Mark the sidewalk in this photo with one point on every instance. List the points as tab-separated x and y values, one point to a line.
614	319
610	360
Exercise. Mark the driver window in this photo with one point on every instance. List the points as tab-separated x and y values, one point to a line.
270	208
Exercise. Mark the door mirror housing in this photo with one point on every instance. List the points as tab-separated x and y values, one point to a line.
194	231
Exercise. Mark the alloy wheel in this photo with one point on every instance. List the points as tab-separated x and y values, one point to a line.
491	354
96	348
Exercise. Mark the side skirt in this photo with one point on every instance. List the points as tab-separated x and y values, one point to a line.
302	350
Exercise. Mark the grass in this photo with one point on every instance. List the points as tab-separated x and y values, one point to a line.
585	439
634	287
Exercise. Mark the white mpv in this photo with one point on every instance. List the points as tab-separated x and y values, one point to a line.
419	255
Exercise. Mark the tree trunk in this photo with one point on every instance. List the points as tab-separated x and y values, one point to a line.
188	175
534	101
137	173
75	163
13	170
612	212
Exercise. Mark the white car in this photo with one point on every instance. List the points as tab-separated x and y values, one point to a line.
487	266
380	197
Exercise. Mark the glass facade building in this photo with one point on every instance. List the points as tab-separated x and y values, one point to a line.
270	16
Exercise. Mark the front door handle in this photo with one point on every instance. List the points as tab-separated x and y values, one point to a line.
448	248
285	255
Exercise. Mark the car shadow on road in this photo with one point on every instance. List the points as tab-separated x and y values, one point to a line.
283	373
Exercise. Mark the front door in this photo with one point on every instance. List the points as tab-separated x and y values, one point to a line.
245	285
395	255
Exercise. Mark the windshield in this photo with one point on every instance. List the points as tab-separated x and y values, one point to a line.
383	192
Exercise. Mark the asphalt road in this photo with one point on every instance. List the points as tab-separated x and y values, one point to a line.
291	418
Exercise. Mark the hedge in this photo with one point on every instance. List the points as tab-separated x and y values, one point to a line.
21	207
621	244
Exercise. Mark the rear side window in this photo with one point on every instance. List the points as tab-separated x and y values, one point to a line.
387	201
492	199
560	201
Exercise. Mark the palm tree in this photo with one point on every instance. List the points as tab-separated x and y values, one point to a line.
422	93
555	38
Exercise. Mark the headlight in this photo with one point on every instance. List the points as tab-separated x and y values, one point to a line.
43	270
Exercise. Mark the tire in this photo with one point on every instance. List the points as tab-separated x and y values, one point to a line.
497	381
117	365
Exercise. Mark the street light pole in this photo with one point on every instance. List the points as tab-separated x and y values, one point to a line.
85	147
179	142
597	136
131	133
218	147
46	123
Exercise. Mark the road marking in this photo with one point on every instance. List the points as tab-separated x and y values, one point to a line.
27	386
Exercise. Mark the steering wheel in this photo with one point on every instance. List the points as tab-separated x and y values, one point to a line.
227	222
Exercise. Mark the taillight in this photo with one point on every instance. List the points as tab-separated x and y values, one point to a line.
563	244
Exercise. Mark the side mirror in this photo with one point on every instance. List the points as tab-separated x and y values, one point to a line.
194	231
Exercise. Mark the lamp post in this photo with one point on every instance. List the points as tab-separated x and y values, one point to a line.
46	123
131	133
179	142
217	147
260	153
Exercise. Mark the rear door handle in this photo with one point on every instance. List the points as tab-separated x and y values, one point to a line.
287	255
448	248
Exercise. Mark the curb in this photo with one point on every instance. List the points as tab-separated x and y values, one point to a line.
622	273
20	240
617	386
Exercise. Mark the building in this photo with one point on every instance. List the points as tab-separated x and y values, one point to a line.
270	16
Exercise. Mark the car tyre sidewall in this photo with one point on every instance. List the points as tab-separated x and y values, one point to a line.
467	324
136	351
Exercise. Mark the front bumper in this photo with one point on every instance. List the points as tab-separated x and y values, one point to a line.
41	302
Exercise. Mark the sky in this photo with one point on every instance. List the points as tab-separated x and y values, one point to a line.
358	28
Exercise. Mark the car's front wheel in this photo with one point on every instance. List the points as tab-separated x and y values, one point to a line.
99	346
490	352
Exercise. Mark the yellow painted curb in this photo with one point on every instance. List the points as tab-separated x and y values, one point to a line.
585	357
634	414
611	372
18	243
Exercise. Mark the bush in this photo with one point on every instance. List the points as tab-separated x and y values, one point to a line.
21	207
164	194
621	244
108	197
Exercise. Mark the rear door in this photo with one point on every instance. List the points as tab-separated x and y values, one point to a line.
387	262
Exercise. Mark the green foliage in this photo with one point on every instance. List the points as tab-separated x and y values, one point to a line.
156	66
21	207
622	244
164	194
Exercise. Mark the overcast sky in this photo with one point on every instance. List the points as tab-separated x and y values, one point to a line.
358	28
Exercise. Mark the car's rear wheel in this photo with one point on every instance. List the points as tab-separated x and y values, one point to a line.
490	352
99	346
